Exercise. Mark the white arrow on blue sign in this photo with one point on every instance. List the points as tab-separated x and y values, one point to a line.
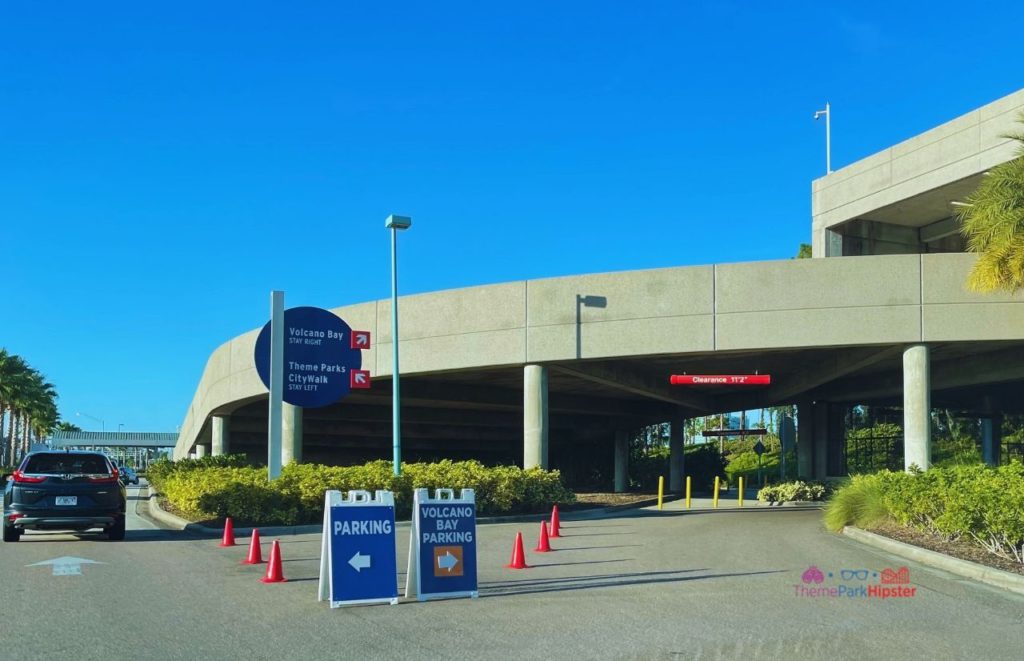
358	563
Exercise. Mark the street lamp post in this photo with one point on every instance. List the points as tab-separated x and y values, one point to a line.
395	223
103	425
827	112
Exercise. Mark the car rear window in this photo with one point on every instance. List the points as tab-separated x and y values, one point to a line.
66	464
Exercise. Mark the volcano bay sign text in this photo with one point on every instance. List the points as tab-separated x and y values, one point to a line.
318	357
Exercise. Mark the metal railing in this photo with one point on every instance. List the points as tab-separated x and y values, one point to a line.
874	453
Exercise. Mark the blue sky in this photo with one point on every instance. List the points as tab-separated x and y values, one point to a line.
162	168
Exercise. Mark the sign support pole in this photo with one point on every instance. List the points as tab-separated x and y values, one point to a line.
274	417
396	424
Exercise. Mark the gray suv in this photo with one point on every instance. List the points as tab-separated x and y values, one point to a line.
64	491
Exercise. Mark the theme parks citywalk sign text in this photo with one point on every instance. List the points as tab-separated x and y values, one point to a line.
322	357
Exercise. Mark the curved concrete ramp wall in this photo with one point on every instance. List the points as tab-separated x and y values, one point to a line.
677	311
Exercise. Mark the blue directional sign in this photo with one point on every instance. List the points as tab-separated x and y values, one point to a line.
318	357
443	548
358	563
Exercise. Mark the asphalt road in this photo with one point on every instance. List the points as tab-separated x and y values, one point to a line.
673	585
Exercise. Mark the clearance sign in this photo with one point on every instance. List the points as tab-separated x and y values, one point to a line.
720	379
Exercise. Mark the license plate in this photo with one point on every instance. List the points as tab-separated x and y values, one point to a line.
67	500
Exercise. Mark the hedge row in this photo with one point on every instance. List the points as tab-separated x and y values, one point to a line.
977	503
209	491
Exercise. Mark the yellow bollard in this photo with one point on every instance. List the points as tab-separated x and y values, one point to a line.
661	490
714	498
740	491
687	492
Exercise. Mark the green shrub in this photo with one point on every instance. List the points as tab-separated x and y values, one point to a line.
861	503
703	463
645	469
161	469
792	491
973	502
746	465
201	492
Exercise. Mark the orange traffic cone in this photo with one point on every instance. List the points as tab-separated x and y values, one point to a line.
255	552
542	541
274	572
229	533
518	560
554	522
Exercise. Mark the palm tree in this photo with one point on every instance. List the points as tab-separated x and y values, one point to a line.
29	403
993	224
40	414
13	378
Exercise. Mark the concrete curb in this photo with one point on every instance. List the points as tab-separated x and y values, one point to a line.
982	573
797	503
175	522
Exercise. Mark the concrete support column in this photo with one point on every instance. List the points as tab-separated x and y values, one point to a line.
987	449
917	408
535	416
200	451
820	434
675	456
621	461
992	439
221	443
804	441
291	434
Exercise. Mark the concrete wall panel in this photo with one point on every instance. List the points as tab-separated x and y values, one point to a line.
818	328
470	310
633	337
456	351
630	295
878	281
944	278
936	155
973	322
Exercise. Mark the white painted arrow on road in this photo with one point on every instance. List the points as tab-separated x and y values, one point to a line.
66	565
447	561
359	562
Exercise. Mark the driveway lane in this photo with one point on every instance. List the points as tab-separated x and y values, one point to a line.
642	585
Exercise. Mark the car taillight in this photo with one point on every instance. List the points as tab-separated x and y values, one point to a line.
21	478
102	479
14	517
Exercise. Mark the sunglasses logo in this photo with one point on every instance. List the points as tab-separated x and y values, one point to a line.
851	574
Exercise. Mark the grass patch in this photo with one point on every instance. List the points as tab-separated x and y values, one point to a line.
860	503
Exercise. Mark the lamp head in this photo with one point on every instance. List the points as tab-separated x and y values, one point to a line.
398	222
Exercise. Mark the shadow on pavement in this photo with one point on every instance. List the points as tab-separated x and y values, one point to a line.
592	582
593	534
568	579
588	548
584	562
